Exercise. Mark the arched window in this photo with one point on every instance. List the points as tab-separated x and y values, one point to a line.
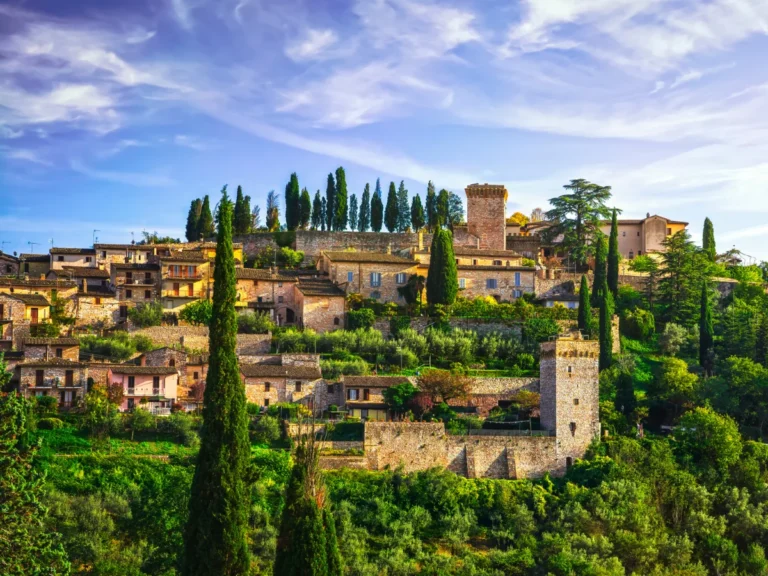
336	321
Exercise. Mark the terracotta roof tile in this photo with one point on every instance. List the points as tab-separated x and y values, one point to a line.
51	341
278	371
373	381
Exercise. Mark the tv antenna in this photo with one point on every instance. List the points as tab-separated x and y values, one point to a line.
95	238
32	246
2	245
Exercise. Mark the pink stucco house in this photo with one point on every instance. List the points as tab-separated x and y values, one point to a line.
151	387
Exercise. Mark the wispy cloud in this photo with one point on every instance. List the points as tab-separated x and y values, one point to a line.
750	232
192	142
182	13
28	156
313	46
130	178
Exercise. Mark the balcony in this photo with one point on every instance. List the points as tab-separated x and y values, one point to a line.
51	382
182	294
182	275
135	281
160	411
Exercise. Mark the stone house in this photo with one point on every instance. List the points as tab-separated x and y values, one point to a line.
34	265
14	325
371	274
48	348
51	289
192	369
184	279
645	235
267	290
75	257
364	395
9	264
320	304
37	308
152	387
59	377
287	378
85	278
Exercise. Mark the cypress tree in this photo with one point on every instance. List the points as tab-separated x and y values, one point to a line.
238	215
353	212
333	554
443	210
215	539
377	209
761	341
431	207
305	211
317	212
606	334
292	203
403	210
442	277
417	214
613	257
323	214
706	332
625	400
708	240
205	227
193	220
247	223
255	215
600	281
585	308
364	219
341	206
391	217
330	202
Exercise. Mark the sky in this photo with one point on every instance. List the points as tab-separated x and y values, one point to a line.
115	115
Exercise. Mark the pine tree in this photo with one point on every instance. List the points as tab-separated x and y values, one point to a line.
305	211
431	207
606	332
292	203
364	218
238	216
353	212
417	214
193	220
391	217
613	257
682	271
706	332
708	241
600	280
442	277
215	539
585	308
317	212
205	228
330	202
323	214
341	205
27	544
377	209
625	400
273	211
403	209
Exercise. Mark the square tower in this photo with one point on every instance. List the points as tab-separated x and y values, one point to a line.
570	395
485	214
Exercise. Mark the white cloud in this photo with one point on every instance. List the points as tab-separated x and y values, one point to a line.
192	142
313	46
130	178
27	155
10	133
182	13
750	232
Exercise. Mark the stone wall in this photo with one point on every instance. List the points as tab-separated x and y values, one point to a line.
422	445
340	445
45	351
196	338
485	215
527	246
321	313
91	310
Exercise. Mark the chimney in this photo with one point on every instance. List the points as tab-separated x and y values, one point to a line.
143	360
389	248
85	285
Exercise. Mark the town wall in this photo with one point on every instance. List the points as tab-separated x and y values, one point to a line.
196	338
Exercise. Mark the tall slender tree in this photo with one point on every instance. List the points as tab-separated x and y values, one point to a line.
442	277
417	214
682	271
238	217
708	241
431	207
317	209
215	538
600	281
364	218
585	308
391	217
613	257
341	206
606	332
273	211
330	202
256	217
323	214
305	212
292	203
443	207
403	209
625	400
706	332
377	209
247	223
205	228
761	340
193	220
353	212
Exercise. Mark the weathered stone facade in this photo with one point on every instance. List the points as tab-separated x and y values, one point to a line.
45	348
376	276
196	338
97	309
485	214
64	379
321	312
13	324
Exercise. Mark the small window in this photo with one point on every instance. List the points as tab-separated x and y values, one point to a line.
350	276
568	461
123	311
517	278
624	234
196	375
59	353
400	278
26	268
638	234
129	277
39	377
631	254
279	284
575	401
491	284
336	321
375	279
570	369
462	282
352	394
375	295
172	362
147	276
474	262
279	299
87	258
330	388
266	401
129	294
131	383
497	262
573	428
147	294
517	293
366	394
60	259
97	300
669	231
298	386
267	386
103	253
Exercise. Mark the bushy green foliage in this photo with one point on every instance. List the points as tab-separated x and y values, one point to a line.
333	369
197	313
254	323
146	314
265	429
638	324
363	318
119	346
49	424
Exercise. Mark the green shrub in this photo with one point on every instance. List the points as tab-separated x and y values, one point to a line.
197	313
332	369
528	263
183	426
399	323
254	323
525	361
252	408
46	405
363	318
638	324
50	424
265	429
146	314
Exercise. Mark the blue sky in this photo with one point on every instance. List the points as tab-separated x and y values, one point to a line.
114	115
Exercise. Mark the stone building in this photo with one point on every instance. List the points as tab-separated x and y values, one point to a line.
34	265
269	291
59	377
320	304
151	387
371	274
47	348
644	236
184	278
286	378
364	396
72	257
9	264
486	205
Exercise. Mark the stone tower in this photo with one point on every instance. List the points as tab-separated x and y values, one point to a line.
570	395
485	214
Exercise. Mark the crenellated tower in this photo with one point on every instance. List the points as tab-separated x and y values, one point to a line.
486	214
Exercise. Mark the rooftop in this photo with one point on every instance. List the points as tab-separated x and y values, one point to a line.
31	299
51	342
132	369
35	257
374	381
279	371
51	362
261	274
481	253
374	257
318	287
36	282
82	272
97	292
135	266
185	256
83	251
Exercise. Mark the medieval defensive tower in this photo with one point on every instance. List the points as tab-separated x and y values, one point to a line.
485	214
